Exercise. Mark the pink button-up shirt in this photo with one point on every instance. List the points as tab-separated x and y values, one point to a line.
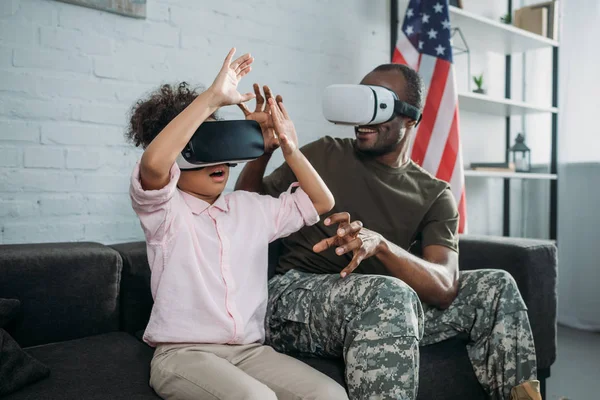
209	262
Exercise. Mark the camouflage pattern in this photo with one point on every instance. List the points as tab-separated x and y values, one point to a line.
376	323
491	310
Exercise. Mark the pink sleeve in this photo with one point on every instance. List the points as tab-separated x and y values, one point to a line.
153	207
290	212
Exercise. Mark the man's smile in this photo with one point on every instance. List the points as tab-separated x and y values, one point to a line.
365	132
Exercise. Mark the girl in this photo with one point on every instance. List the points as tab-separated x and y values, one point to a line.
208	253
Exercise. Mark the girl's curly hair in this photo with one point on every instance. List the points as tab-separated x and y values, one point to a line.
150	115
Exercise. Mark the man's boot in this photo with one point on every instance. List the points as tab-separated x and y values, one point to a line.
528	390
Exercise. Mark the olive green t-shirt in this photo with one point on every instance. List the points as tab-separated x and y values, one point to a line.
406	205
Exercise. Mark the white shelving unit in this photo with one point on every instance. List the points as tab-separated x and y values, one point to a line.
489	35
484	104
486	35
509	175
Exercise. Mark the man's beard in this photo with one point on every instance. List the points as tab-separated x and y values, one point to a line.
380	147
377	150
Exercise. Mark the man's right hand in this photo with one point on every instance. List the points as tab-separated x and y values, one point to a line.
351	237
263	116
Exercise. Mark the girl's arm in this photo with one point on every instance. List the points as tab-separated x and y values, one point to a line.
310	181
159	156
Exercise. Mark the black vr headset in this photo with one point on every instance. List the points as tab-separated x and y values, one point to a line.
222	142
364	105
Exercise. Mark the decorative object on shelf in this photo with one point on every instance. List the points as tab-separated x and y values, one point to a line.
552	19
533	19
128	8
461	48
520	155
506	19
479	82
456	3
494	167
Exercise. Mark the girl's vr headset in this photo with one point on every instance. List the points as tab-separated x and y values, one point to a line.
364	105
222	142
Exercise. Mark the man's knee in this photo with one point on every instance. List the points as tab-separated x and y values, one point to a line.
391	306
497	289
392	290
495	279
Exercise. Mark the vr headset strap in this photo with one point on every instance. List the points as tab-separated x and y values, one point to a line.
405	109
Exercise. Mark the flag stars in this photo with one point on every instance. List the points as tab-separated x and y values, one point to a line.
432	34
440	50
421	43
425	18
409	13
438	8
409	30
446	24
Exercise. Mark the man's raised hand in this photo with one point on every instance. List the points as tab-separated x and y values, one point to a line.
262	115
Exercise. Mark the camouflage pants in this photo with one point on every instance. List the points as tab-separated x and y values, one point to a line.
377	323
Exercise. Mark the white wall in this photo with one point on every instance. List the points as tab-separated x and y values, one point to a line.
579	167
68	76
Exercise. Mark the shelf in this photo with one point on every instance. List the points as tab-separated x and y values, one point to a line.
481	103
510	175
485	34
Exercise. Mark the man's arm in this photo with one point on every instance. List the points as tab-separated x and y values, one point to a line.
434	278
251	177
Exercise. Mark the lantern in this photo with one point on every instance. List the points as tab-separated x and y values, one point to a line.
520	155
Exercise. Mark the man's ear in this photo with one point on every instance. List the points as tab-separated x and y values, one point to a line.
411	123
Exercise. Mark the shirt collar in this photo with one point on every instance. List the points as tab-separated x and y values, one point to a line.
198	206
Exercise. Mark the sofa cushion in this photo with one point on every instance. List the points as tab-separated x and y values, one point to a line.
67	290
17	368
8	310
445	372
110	366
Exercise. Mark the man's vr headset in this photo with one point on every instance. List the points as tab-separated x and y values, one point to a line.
222	142
364	105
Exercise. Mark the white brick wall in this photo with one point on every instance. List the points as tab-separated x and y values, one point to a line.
69	74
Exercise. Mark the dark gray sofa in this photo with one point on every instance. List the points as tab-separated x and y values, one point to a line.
84	306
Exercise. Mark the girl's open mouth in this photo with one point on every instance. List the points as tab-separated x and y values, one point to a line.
218	174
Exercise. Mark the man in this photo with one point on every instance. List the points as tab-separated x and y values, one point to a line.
378	317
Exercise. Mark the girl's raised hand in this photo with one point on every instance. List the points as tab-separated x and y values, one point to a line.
224	88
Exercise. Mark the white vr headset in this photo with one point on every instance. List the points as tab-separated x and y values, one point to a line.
364	105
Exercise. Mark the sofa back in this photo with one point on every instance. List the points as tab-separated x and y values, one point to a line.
67	290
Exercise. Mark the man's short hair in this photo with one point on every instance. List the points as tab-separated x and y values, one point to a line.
414	83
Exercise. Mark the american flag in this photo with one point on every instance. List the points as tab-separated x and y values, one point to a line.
424	44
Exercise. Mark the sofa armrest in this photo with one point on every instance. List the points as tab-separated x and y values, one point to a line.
136	296
533	265
67	290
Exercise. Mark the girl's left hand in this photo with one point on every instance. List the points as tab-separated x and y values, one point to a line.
284	127
224	88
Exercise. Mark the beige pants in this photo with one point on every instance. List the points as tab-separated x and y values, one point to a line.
246	372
